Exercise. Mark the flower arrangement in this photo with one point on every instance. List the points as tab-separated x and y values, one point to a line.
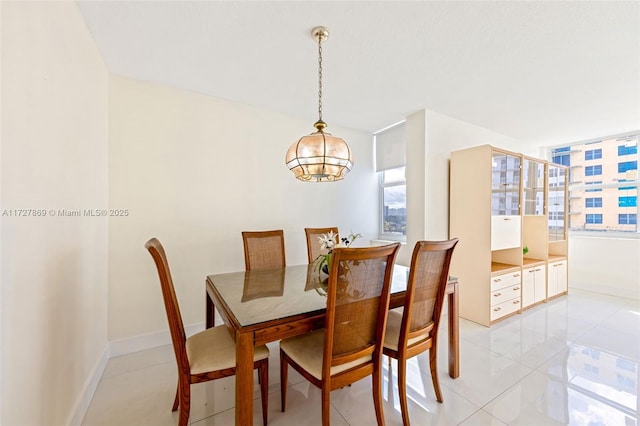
329	242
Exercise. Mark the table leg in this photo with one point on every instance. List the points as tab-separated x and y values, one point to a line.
454	334
210	311
244	379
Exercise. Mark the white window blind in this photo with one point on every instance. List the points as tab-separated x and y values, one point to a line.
390	147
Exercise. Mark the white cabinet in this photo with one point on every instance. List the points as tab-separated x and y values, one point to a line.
498	208
558	279
505	232
534	284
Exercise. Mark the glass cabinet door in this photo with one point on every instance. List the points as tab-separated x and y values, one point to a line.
533	187
505	184
557	203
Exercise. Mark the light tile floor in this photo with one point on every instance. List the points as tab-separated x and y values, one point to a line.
573	361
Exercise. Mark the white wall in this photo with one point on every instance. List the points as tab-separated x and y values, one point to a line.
430	139
195	171
605	265
54	156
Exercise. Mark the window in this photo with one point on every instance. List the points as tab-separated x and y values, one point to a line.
594	218
627	165
561	156
593	183
626	188
628	201
390	150
627	150
593	154
556	215
593	202
603	197
394	204
628	219
593	170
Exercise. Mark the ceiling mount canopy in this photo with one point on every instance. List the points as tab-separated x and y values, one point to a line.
320	156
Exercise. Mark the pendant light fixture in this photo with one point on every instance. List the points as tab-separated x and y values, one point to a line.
319	157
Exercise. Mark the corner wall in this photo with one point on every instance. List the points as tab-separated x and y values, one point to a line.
54	158
430	139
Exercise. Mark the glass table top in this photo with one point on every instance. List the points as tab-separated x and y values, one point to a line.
266	295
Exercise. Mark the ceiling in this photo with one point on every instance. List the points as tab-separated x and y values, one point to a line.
541	71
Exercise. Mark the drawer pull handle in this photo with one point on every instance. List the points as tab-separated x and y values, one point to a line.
531	270
516	302
497	309
538	269
516	275
506	218
497	280
497	294
516	288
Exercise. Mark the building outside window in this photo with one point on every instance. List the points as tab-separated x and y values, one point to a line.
627	165
593	202
627	150
593	154
596	186
614	194
629	201
593	170
628	219
594	218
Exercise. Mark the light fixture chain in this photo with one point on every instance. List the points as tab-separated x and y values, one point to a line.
320	78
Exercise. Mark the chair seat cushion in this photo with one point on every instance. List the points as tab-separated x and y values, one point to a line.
306	350
214	349
392	332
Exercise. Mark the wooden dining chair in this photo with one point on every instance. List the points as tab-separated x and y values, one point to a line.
349	347
207	355
314	248
263	249
415	329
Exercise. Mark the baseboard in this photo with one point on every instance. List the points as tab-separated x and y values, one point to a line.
147	341
89	388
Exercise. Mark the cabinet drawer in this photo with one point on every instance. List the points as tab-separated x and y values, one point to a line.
505	308
505	280
505	294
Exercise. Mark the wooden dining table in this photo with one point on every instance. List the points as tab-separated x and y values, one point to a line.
262	306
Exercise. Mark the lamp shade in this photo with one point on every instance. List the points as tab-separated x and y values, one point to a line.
319	157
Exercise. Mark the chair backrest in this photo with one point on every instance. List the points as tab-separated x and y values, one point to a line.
313	244
176	326
426	288
357	304
264	249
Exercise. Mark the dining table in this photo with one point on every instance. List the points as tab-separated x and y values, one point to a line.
262	306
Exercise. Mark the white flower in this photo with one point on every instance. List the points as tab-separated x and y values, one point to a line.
328	241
